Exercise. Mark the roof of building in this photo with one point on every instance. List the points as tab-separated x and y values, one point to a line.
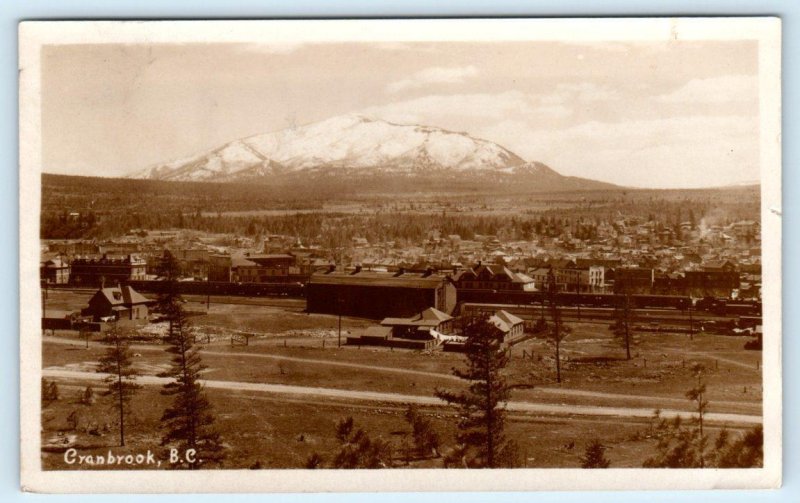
504	320
495	270
58	314
122	295
271	256
55	263
430	317
371	278
561	263
718	264
524	277
241	261
377	331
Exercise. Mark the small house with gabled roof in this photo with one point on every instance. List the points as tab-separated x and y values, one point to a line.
118	303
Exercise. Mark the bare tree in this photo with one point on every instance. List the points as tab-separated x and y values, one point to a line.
557	331
622	326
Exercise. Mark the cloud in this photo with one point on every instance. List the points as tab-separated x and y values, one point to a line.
685	151
440	109
715	90
433	75
580	92
624	145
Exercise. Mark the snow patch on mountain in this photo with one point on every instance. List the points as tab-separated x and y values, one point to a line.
348	141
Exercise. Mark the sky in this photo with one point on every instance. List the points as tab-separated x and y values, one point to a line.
640	114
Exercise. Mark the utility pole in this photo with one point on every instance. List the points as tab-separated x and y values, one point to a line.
44	296
339	306
691	321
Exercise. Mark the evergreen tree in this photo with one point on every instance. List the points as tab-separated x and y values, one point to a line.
681	446
426	440
358	449
189	421
121	380
482	415
594	457
746	452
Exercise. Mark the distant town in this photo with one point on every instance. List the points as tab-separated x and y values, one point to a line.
630	253
600	303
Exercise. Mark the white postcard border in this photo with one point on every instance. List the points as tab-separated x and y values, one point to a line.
34	35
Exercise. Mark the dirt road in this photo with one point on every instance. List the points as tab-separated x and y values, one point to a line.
339	394
642	399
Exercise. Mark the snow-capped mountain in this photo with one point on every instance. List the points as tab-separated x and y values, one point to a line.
351	145
350	141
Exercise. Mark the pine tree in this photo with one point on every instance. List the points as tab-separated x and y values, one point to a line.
594	457
121	378
745	452
698	395
358	449
426	440
681	446
482	415
189	422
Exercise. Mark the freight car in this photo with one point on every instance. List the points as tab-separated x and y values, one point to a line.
572	299
726	307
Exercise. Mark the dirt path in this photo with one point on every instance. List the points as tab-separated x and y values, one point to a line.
316	361
642	399
715	356
527	407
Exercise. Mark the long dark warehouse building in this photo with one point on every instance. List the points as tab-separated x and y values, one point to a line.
379	295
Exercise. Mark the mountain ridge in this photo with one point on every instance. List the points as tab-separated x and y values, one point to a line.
357	146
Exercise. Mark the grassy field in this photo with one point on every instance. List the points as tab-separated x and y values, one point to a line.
279	432
282	431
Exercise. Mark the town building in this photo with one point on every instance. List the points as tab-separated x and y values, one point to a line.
194	262
107	271
420	325
219	267
252	268
379	295
715	279
493	277
597	278
511	326
54	271
118	303
632	280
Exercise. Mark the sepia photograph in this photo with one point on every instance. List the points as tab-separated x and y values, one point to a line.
385	254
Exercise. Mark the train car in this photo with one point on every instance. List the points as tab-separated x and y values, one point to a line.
748	308
574	299
661	302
